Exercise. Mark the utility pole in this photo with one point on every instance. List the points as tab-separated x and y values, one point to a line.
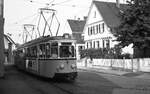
1	39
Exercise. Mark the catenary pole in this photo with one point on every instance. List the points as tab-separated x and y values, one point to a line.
1	39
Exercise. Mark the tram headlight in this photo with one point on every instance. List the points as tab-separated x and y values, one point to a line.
62	66
73	66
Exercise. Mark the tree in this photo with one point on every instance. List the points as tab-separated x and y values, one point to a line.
135	26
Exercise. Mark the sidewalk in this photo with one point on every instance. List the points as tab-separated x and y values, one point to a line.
103	70
97	69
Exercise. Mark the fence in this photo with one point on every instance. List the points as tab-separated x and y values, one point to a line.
140	64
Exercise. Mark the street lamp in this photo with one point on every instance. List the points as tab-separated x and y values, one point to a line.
1	39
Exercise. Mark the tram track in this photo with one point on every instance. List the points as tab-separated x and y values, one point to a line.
38	83
62	89
142	89
137	87
42	85
51	82
64	86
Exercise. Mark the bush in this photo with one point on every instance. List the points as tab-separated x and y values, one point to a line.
102	53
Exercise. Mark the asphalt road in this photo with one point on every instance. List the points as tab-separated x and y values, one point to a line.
18	82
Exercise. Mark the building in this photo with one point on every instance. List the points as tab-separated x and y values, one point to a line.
9	45
103	18
76	27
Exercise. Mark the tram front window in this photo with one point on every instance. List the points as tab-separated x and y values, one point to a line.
66	51
54	50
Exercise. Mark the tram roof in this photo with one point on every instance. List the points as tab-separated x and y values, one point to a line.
46	39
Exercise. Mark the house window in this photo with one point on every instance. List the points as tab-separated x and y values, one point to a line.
87	45
107	43
81	48
99	28
103	43
93	29
88	31
98	46
90	44
103	27
93	44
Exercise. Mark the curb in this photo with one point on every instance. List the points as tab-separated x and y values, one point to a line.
100	72
128	74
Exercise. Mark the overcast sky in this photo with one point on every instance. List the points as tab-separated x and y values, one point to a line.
19	12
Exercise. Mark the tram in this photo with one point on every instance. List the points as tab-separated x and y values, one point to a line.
48	57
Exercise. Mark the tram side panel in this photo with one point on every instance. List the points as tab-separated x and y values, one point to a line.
32	66
48	68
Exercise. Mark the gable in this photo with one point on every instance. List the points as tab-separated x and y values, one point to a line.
93	15
110	12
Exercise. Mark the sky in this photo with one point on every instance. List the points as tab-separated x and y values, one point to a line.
20	12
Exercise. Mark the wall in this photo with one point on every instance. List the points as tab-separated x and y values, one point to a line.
140	64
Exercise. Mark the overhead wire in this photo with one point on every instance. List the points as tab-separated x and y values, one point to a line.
25	18
51	4
61	2
34	19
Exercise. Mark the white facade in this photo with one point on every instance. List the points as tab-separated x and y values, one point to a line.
6	44
9	47
96	32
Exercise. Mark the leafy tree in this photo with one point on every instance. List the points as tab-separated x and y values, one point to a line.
135	26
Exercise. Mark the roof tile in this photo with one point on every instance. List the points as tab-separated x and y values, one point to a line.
76	25
110	12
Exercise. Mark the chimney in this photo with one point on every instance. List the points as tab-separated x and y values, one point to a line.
118	3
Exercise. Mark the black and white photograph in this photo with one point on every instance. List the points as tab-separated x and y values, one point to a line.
74	46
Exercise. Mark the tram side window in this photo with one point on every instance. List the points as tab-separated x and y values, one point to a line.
54	50
31	52
25	51
73	51
66	51
42	50
28	52
34	51
21	53
48	50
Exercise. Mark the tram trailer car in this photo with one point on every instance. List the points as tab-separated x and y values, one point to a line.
48	57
